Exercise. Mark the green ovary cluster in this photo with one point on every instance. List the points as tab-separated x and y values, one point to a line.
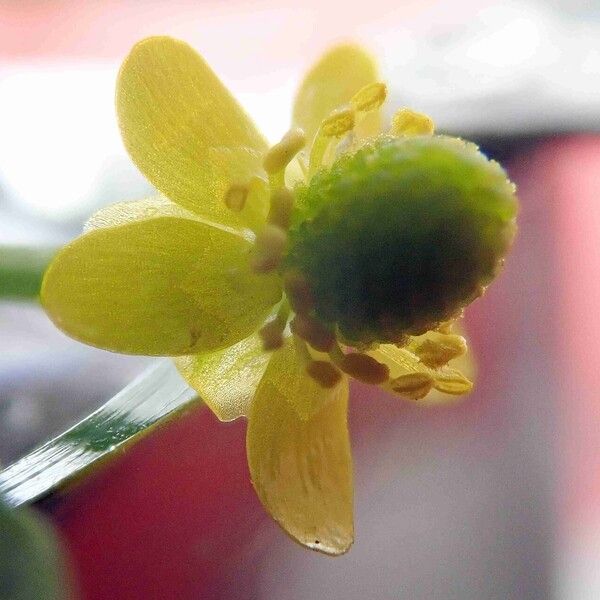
401	235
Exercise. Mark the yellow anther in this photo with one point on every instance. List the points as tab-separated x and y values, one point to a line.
413	385
364	368
324	373
236	195
411	122
369	98
278	157
299	292
436	349
311	331
282	206
268	249
452	382
338	123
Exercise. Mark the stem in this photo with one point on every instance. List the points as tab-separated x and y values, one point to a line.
22	269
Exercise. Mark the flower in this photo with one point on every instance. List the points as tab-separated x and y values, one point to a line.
273	275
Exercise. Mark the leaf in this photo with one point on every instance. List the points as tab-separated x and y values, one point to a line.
22	269
31	564
153	398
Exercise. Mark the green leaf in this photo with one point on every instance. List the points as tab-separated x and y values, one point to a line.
22	269
31	565
153	398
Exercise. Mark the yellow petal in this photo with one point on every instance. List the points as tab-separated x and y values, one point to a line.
162	286
122	213
227	379
183	129
302	469
287	376
331	83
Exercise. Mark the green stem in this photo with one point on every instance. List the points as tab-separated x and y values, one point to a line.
22	269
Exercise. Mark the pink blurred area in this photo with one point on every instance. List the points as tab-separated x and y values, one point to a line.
496	497
283	34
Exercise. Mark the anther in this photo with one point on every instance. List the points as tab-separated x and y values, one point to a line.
410	122
268	249
364	368
413	385
453	382
437	349
311	331
299	292
370	97
282	206
338	123
271	333
278	157
236	195
324	373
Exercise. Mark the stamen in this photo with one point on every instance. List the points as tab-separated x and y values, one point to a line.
410	122
345	144
271	335
313	332
268	249
370	97
272	332
302	163
437	349
324	373
299	292
364	368
333	127
236	195
338	123
282	207
413	385
452	382
279	156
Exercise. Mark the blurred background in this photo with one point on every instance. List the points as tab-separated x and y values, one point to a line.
496	497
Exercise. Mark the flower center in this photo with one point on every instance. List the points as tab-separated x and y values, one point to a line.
383	241
400	236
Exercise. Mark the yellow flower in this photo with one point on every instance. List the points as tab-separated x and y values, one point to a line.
274	275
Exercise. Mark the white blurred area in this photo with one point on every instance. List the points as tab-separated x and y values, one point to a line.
514	67
61	155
